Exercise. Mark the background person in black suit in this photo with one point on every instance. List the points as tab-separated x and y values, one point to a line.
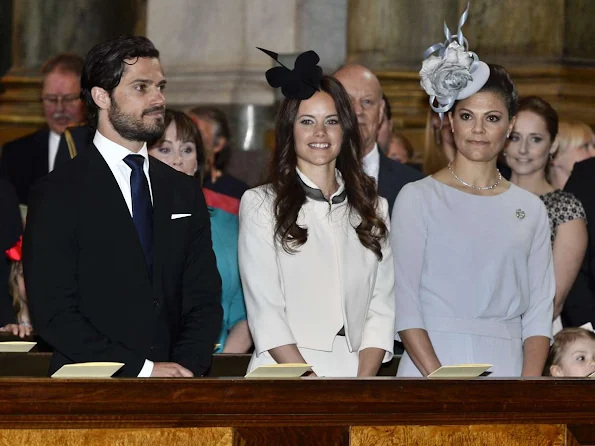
31	157
365	92
117	250
579	307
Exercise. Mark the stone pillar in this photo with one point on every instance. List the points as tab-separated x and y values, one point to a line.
41	29
208	51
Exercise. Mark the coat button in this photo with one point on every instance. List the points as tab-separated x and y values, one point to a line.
155	302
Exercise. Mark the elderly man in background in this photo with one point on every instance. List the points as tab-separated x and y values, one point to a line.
33	156
366	96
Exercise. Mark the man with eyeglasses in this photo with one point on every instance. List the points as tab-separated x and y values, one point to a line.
33	156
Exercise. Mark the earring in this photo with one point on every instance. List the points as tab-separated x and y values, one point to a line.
504	154
508	135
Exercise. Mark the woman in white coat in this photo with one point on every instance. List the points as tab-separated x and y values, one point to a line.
314	252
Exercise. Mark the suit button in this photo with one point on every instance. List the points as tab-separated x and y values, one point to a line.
151	348
155	302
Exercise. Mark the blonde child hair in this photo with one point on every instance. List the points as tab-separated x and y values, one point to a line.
562	341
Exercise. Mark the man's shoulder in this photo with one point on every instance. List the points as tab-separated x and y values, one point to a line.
584	169
164	175
398	171
36	139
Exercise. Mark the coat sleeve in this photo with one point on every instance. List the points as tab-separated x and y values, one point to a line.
379	327
408	234
263	291
537	320
201	295
50	253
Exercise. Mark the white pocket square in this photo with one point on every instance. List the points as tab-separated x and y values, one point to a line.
176	216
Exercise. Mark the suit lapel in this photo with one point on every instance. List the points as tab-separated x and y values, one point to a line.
162	206
105	194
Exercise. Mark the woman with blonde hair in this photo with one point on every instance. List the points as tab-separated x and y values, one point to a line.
575	143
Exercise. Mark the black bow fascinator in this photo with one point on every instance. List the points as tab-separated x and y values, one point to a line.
301	82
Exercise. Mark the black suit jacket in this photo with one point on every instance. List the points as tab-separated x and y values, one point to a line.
392	176
579	307
25	160
88	286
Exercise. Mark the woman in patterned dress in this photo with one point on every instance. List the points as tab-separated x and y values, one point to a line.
528	152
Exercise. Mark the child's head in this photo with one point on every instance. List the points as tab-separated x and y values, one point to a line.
572	354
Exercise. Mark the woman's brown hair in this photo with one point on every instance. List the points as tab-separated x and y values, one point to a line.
290	197
562	340
542	109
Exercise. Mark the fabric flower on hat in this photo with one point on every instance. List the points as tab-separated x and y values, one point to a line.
444	77
454	72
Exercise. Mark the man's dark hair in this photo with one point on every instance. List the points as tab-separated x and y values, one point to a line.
64	62
220	129
387	111
105	64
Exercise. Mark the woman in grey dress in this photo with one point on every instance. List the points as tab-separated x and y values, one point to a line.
474	281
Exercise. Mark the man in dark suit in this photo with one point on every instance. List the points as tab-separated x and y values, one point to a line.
117	250
365	92
579	307
31	157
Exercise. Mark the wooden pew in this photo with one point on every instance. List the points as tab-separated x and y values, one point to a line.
306	411
36	364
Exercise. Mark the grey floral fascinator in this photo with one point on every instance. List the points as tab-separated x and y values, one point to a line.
301	82
451	72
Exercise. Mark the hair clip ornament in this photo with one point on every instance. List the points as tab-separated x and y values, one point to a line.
301	82
453	74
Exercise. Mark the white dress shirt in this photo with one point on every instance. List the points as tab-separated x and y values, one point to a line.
53	143
372	163
114	155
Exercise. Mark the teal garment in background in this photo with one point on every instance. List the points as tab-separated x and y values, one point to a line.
224	233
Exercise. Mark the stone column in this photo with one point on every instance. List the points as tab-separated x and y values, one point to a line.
41	29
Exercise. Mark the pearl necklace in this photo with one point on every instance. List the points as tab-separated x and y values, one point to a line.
473	186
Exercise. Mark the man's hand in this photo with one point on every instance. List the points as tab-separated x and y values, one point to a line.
20	330
170	370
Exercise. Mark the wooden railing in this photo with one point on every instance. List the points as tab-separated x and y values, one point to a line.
235	411
380	411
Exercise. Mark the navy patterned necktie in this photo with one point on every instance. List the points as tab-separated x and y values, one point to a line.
142	209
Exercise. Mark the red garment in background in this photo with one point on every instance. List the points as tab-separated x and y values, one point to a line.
221	201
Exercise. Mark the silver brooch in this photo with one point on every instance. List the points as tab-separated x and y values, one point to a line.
520	214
